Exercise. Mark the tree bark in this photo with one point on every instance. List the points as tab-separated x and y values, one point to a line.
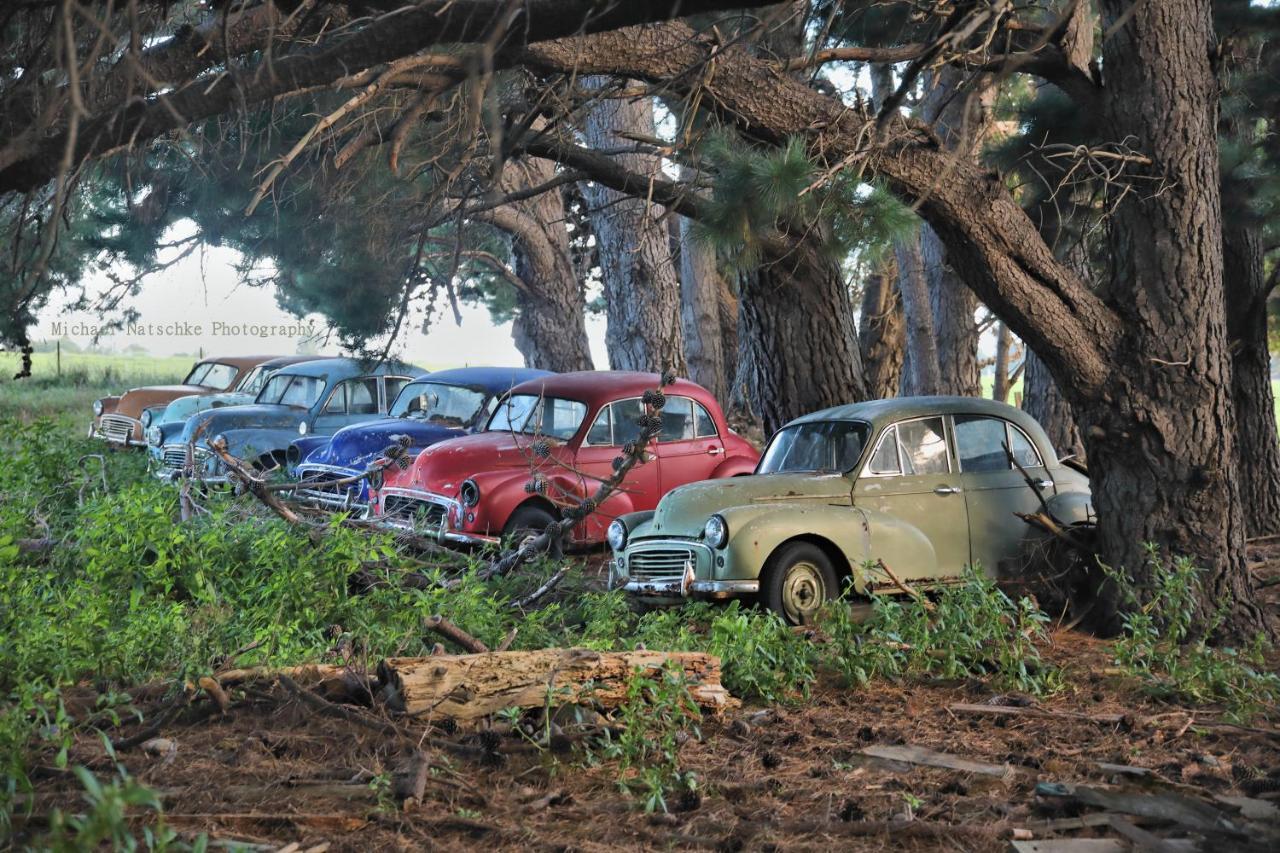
1257	444
880	333
550	325
705	299
641	287
1043	401
798	335
1161	442
921	372
1000	387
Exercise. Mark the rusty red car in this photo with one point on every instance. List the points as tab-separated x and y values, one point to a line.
548	444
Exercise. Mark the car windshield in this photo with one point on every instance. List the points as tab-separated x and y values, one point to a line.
253	381
451	405
289	390
211	375
817	447
529	413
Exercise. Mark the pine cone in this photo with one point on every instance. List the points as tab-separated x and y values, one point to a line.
541	448
654	398
629	448
587	507
649	423
618	462
668	377
536	486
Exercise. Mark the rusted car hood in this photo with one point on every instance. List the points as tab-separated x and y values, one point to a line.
685	510
442	466
137	399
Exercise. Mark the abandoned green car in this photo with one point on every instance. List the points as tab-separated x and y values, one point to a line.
928	485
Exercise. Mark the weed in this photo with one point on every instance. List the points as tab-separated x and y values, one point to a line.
1166	650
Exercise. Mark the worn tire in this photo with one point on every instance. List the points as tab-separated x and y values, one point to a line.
528	520
797	580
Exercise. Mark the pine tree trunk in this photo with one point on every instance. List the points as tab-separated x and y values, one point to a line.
1161	443
880	333
798	336
1000	386
705	297
641	287
1043	401
1257	444
550	325
921	372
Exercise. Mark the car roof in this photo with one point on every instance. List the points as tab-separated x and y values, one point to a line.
600	386
240	361
346	368
881	413
493	379
286	360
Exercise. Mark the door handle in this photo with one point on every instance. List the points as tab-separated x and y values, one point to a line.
715	451
946	490
1043	484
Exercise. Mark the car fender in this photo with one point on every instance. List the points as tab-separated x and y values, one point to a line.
302	446
1073	507
734	466
857	535
252	444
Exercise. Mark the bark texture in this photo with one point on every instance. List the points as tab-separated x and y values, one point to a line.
1161	444
550	326
706	303
922	371
797	333
1257	445
880	333
641	286
1043	401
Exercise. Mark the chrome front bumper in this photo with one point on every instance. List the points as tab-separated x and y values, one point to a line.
679	588
648	572
318	495
116	429
442	532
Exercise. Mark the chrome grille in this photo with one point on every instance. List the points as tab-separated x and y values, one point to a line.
414	510
116	428
660	563
327	496
175	456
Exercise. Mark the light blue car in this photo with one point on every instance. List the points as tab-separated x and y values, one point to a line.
310	398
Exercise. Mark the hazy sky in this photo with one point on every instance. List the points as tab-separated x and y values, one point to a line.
183	309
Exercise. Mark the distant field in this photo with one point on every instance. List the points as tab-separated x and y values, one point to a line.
84	378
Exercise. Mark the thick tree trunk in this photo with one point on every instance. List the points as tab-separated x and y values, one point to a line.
1043	401
641	287
798	336
921	373
550	325
710	346
1161	437
1257	444
880	333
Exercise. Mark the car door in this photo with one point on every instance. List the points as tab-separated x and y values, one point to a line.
911	476
350	401
993	487
615	425
688	448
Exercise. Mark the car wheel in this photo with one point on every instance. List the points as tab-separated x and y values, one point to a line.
798	580
525	523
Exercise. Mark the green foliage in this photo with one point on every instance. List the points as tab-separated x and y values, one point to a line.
1165	645
973	630
658	715
759	192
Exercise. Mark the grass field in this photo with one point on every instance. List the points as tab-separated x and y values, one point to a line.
84	378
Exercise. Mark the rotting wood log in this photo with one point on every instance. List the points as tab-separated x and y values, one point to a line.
466	688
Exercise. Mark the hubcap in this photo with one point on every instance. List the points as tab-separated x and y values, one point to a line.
802	591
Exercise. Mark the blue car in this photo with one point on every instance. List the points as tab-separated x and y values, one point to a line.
432	408
312	398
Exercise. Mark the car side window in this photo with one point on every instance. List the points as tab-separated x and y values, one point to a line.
1022	448
885	460
704	424
337	404
980	444
626	420
602	430
677	420
393	385
924	447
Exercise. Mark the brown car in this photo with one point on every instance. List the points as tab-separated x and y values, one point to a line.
119	420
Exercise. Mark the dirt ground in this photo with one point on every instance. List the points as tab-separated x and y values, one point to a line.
271	773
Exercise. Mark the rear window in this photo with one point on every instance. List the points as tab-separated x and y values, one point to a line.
212	375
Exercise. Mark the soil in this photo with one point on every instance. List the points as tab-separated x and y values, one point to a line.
272	772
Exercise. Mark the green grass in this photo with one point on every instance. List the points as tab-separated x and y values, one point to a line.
67	396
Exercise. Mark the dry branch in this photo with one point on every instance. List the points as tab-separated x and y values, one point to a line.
450	631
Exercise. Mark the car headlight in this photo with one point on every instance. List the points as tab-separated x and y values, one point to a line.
153	436
302	428
617	535
145	420
97	407
716	532
469	493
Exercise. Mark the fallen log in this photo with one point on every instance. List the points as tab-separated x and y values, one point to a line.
466	688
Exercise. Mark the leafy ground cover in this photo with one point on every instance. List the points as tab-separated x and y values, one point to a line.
109	606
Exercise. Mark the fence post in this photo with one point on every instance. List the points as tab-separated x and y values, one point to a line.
57	349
